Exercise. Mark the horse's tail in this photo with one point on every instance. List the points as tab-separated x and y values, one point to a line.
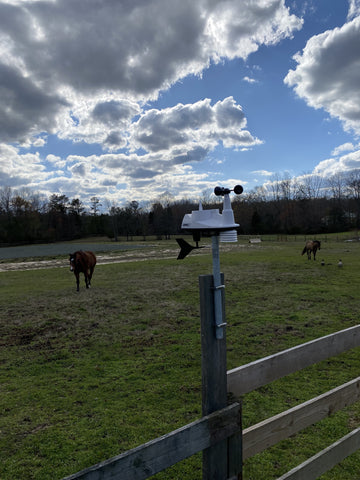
304	251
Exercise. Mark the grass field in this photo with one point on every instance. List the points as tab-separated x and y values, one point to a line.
85	376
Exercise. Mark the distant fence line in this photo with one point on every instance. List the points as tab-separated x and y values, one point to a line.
323	237
59	248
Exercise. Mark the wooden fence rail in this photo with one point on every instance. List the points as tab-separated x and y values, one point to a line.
157	455
323	461
256	374
265	434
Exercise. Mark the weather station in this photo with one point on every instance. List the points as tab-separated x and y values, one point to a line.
221	227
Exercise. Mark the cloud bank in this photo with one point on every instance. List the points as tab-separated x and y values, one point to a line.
77	67
85	71
327	74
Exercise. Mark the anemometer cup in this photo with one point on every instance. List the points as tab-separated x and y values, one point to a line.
221	191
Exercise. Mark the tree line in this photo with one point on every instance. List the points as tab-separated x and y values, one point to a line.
284	205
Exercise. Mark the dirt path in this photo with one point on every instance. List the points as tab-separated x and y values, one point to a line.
102	259
133	255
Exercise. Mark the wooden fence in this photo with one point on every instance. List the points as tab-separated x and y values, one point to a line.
279	427
219	434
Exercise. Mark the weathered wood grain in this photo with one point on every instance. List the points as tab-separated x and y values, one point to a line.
248	377
213	368
157	455
272	430
323	461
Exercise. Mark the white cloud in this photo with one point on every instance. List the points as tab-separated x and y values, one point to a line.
328	73
93	59
354	9
249	80
86	76
236	29
263	173
197	127
19	170
100	120
162	146
79	169
345	163
345	147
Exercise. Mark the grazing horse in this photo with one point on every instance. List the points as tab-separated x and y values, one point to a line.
82	262
311	246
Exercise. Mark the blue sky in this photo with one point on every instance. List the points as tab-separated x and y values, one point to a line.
132	100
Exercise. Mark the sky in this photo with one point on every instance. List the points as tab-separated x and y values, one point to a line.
133	100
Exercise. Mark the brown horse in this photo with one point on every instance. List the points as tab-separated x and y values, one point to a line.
82	262
311	246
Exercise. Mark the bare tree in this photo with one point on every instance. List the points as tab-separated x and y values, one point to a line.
95	205
353	184
257	195
310	186
337	185
207	197
274	188
353	191
286	187
5	199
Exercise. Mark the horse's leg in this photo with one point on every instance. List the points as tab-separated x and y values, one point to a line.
87	278
314	252
309	254
77	281
91	274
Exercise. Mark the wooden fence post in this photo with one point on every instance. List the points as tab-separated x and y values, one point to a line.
214	378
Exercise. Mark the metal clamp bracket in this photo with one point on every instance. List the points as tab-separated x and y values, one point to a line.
220	325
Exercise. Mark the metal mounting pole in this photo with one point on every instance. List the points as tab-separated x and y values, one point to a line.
218	286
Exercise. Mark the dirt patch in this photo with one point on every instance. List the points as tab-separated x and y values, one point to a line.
126	256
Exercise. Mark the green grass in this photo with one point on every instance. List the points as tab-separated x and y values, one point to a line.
85	376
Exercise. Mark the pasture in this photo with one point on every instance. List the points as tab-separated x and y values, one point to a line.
85	376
